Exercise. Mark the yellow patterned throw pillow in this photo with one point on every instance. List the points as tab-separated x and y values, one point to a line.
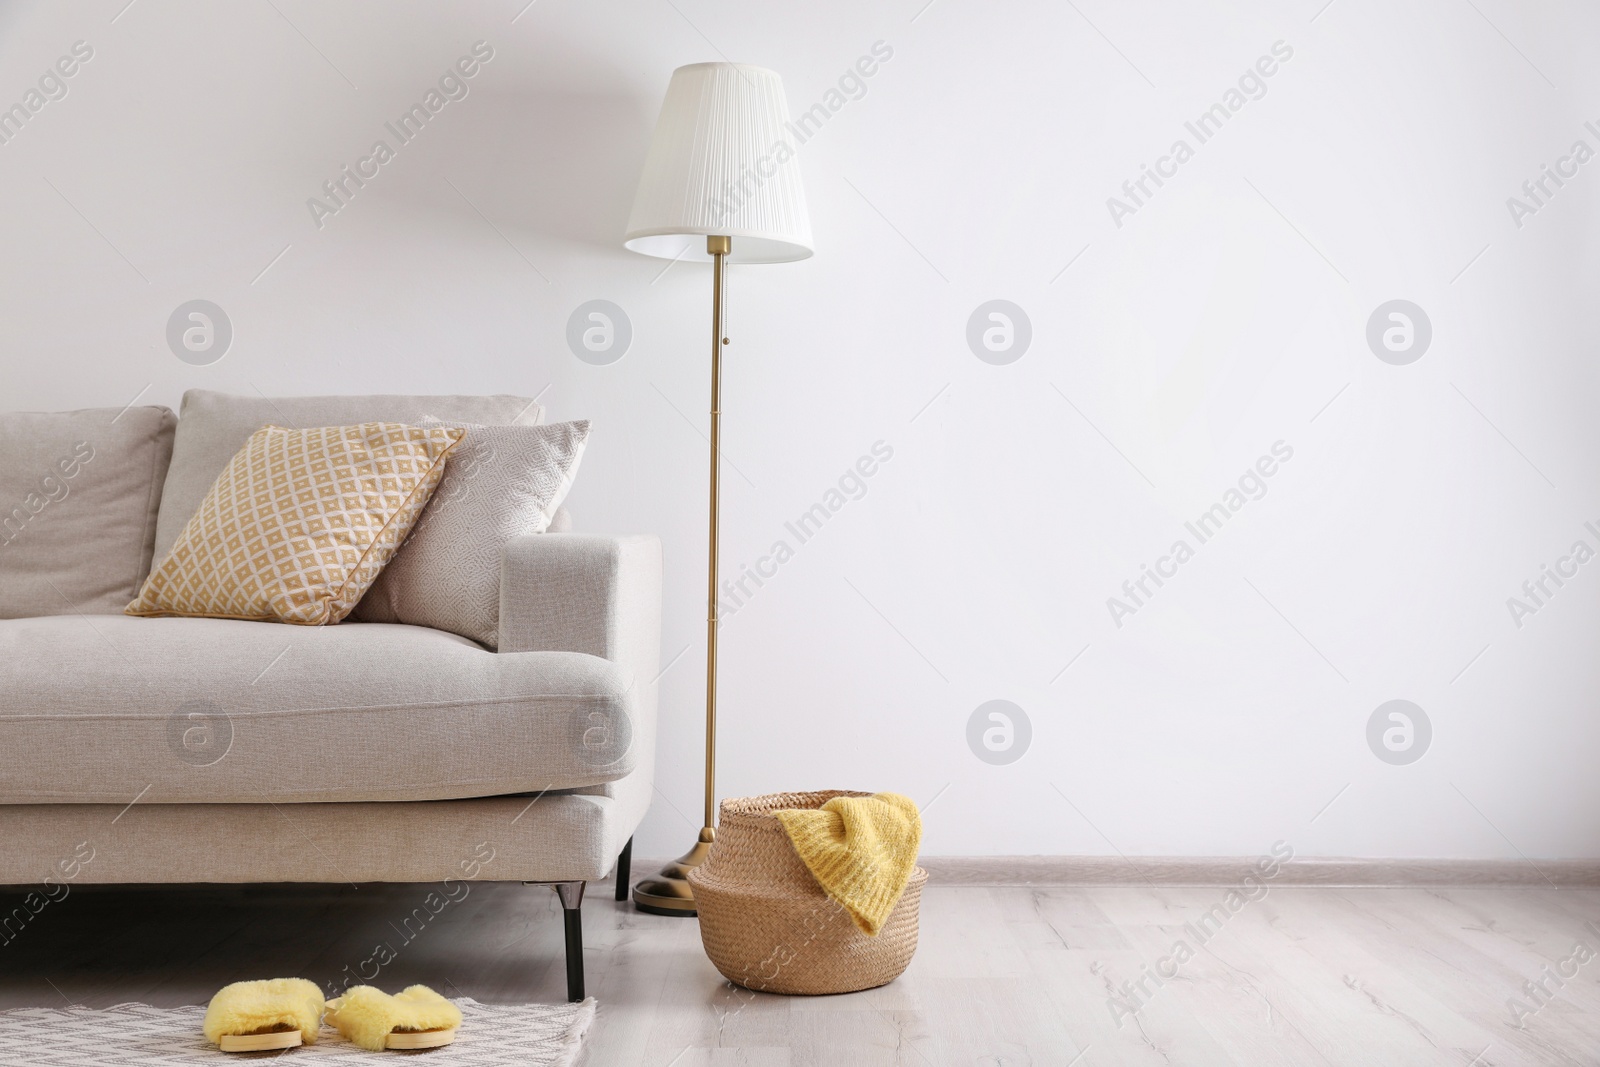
300	523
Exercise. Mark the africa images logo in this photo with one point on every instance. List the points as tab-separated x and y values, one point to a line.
1252	85
452	85
1252	485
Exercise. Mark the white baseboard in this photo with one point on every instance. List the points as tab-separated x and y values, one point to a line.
1089	871
1229	870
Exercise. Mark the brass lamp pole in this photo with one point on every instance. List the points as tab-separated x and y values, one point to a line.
717	248
721	166
669	893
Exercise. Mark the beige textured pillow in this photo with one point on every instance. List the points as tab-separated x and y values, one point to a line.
503	482
214	426
300	523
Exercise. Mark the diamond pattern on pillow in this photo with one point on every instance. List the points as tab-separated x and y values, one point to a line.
300	523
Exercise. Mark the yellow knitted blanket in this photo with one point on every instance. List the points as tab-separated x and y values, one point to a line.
862	851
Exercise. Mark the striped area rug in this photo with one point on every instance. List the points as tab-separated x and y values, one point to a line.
138	1035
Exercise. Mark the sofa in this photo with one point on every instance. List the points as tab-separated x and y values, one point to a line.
188	750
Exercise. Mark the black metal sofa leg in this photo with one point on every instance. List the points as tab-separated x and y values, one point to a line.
624	869
571	894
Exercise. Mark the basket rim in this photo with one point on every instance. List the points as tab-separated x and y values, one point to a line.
762	806
781	890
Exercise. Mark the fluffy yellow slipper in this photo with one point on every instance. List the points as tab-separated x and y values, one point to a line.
414	1018
270	1014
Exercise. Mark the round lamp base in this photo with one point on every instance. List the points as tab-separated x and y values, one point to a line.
669	893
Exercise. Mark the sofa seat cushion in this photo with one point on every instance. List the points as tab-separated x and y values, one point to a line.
115	709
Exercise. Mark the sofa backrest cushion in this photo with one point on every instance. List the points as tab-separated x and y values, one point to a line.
212	427
78	497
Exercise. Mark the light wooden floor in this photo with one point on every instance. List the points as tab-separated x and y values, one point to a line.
1390	977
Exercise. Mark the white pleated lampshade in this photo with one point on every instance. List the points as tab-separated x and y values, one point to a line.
722	162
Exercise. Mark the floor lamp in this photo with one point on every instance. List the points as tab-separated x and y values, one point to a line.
720	184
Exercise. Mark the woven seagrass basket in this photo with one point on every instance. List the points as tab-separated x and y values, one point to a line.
768	925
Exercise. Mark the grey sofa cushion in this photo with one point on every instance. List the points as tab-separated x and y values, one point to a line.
221	711
501	482
78	498
213	426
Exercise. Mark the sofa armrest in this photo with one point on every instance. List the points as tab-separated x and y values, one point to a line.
570	592
566	592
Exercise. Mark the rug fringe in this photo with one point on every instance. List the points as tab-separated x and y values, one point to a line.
573	1045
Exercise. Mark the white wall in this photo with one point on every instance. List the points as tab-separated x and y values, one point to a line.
1228	313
